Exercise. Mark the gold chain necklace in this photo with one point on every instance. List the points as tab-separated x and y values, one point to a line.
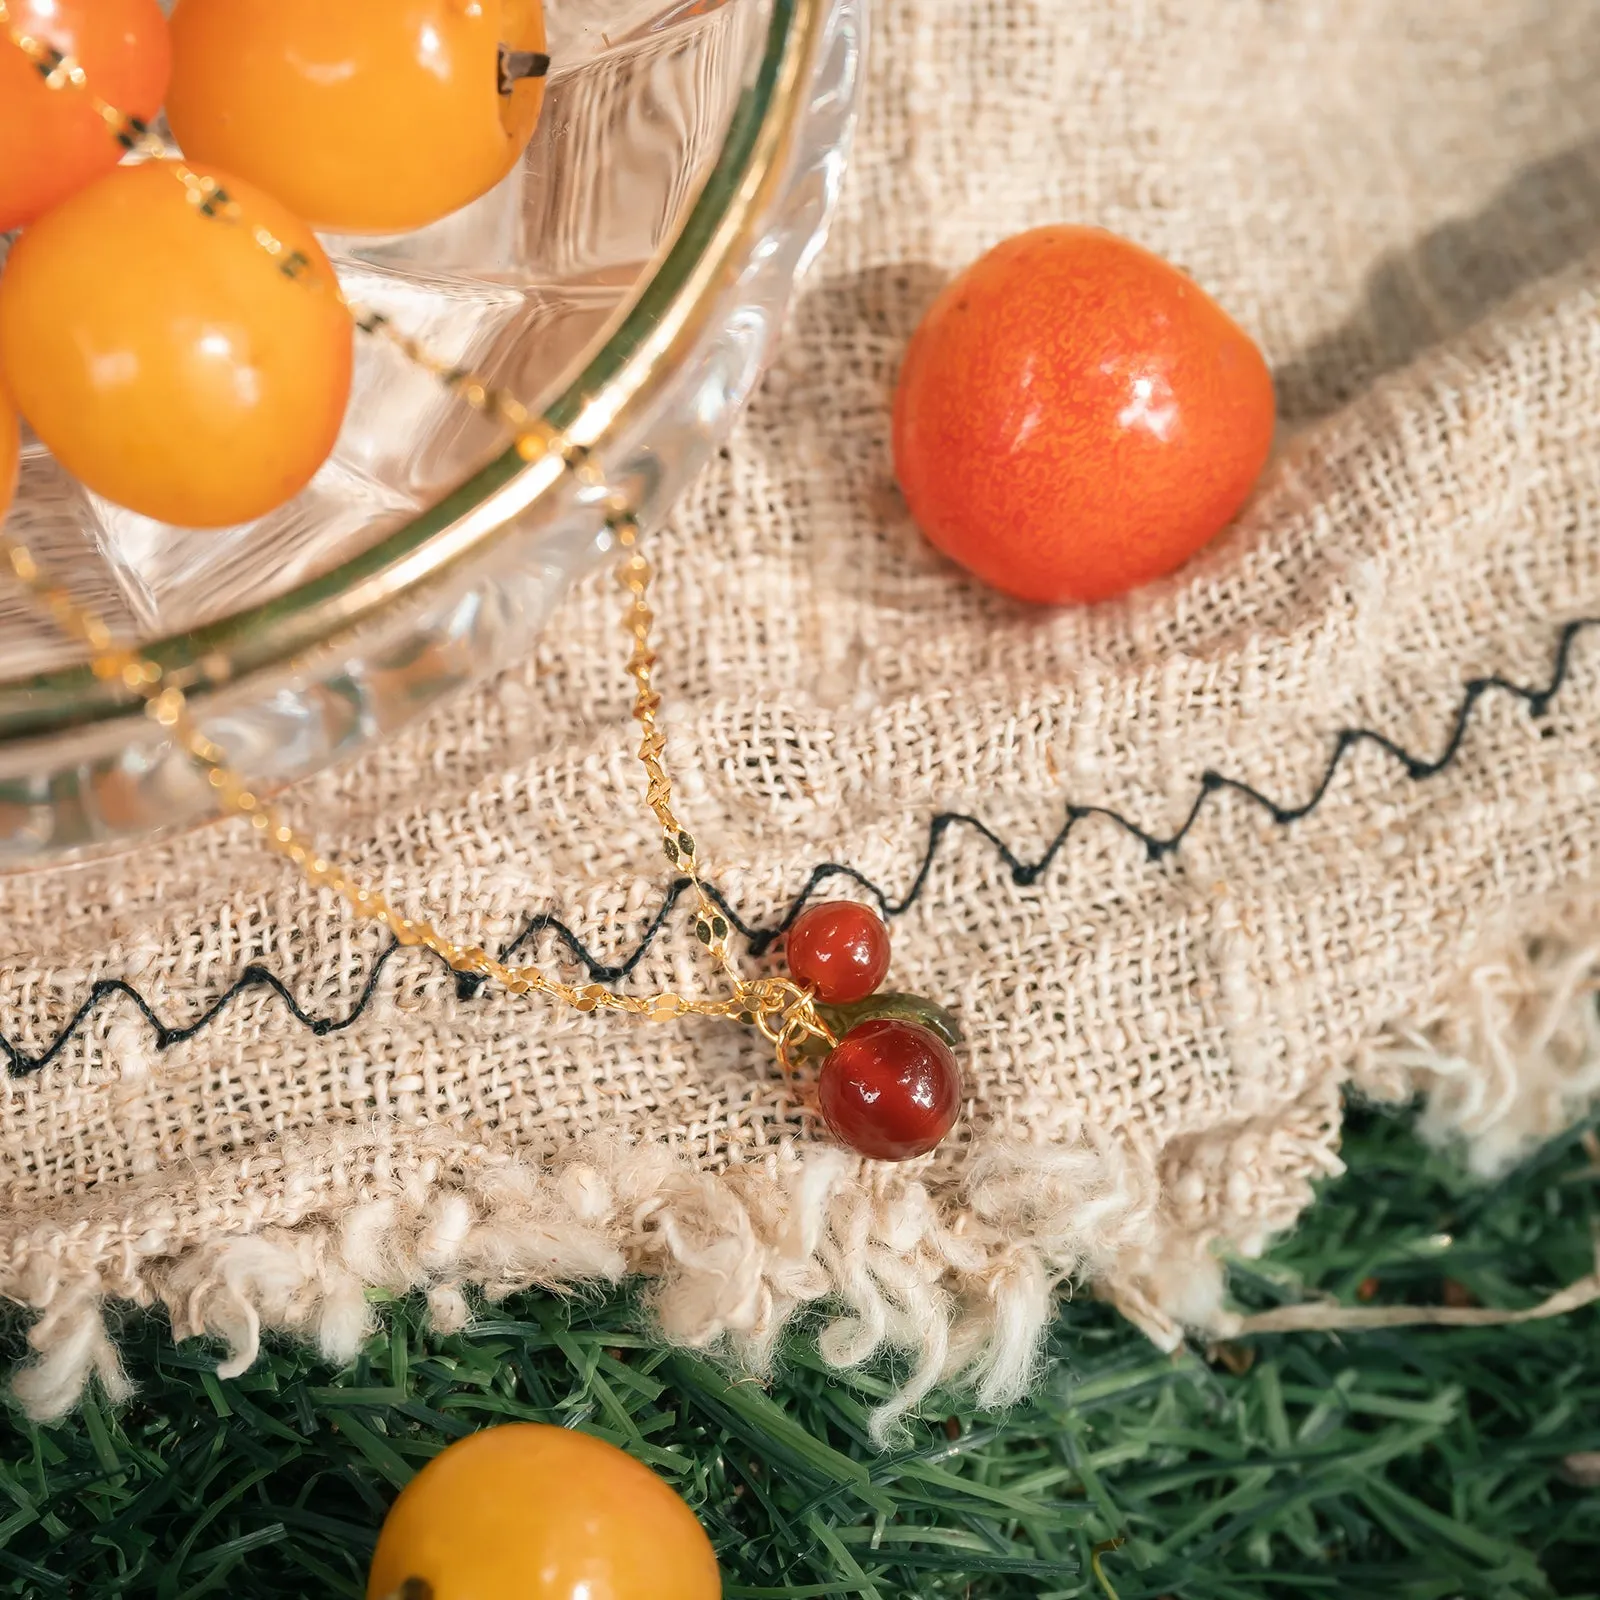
783	1011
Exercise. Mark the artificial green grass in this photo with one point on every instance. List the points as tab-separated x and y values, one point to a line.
1428	1463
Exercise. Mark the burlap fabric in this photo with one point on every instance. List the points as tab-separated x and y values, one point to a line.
1400	201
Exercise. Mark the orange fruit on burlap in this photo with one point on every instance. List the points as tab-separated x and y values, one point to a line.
1075	417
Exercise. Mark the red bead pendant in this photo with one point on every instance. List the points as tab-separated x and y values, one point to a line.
839	950
890	1090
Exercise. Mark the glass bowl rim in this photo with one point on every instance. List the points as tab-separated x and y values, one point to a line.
662	320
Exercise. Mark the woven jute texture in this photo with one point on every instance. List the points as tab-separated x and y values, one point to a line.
1401	203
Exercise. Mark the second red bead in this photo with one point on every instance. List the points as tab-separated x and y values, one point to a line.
839	950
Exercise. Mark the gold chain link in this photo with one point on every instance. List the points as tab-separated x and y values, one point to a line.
778	1007
784	1012
207	196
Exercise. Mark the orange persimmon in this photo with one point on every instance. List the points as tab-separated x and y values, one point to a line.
531	1512
54	136
10	445
366	116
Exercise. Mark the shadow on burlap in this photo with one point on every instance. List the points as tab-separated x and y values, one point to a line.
1403	205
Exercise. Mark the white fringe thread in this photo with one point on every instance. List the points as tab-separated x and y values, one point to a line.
964	1284
733	1256
1508	1056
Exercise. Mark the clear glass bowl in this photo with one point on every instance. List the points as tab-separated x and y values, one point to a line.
629	281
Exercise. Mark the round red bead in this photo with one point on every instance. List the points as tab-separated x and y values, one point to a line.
890	1090
840	950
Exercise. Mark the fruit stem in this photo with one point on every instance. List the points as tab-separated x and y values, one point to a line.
518	65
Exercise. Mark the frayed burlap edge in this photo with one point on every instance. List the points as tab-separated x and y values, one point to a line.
1508	1054
965	1287
961	1278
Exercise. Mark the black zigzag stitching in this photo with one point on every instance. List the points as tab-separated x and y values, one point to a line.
759	939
